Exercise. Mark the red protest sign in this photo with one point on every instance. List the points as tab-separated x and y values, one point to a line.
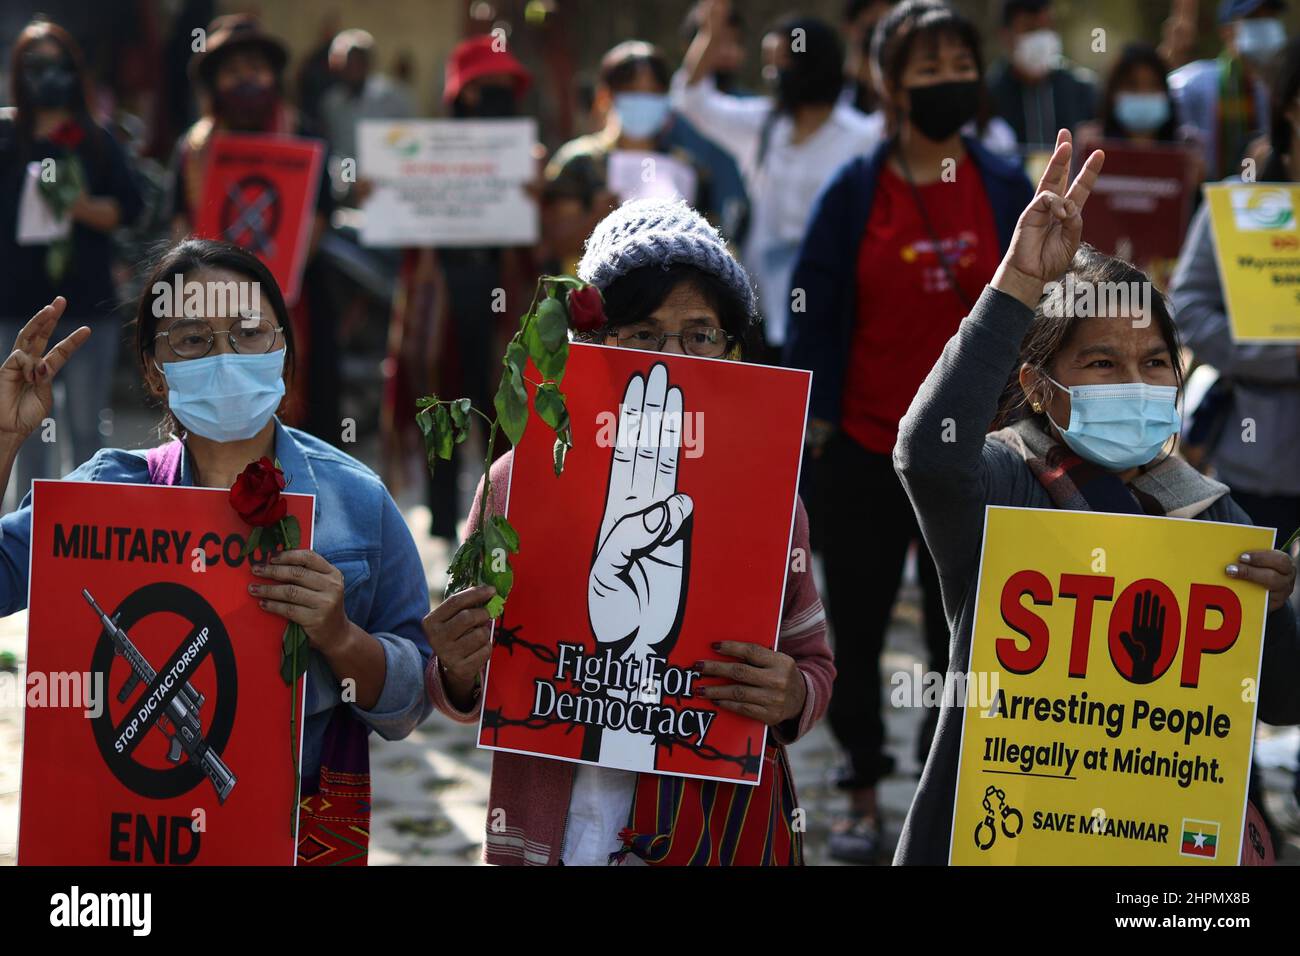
177	749
1140	206
668	530
259	192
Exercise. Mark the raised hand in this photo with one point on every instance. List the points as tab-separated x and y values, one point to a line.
26	377
1048	233
1145	638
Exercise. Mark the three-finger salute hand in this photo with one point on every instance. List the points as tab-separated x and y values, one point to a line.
638	575
1049	231
26	376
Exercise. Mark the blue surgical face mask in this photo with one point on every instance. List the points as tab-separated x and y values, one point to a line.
1258	38
1142	112
641	114
1119	426
227	396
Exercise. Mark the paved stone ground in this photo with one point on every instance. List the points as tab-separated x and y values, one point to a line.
431	789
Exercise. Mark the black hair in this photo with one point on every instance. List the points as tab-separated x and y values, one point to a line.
1053	325
694	20
1281	134
819	63
1133	57
184	259
853	8
913	21
633	296
619	66
1013	8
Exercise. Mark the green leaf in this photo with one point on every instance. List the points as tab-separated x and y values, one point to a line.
570	282
504	532
512	401
550	362
552	324
549	402
465	567
563	442
495	606
294	636
292	532
426	401
254	539
443	439
500	540
425	420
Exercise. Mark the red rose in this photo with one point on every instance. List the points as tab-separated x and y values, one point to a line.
586	309
255	495
68	134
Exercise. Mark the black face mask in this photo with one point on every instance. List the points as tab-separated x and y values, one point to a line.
51	87
248	105
726	81
494	102
941	109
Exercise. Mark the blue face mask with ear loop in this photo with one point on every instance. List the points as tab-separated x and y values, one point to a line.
227	396
1259	38
1119	426
642	115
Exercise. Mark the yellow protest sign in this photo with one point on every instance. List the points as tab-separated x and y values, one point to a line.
1119	665
1258	246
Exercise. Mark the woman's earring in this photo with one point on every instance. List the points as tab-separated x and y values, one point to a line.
1037	407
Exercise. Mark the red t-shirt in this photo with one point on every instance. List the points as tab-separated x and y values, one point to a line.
906	307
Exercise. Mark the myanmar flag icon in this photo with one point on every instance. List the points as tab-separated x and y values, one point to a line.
1200	838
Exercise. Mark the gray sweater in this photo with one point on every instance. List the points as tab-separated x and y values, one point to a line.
950	483
1265	377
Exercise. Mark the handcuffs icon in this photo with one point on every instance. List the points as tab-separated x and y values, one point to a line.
1006	811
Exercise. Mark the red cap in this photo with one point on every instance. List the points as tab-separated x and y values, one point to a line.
476	57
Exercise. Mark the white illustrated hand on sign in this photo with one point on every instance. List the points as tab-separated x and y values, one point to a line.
637	586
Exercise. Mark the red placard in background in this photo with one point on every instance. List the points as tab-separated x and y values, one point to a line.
1140	207
639	555
259	192
98	790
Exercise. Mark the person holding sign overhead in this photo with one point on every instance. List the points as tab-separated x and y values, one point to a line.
219	372
1085	408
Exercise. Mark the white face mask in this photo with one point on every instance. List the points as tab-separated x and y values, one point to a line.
1258	38
1037	53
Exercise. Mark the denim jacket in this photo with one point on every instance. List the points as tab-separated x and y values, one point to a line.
358	529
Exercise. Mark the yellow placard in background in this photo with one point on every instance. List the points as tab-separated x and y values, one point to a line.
1258	243
1111	691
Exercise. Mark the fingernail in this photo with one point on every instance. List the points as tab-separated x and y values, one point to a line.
252	589
656	516
1233	569
261	604
716	645
1245	559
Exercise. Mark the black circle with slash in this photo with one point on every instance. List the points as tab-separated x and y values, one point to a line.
173	709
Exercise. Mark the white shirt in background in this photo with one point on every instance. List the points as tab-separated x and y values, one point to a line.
783	185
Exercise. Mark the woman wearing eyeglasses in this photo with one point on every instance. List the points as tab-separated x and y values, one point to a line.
670	285
217	360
